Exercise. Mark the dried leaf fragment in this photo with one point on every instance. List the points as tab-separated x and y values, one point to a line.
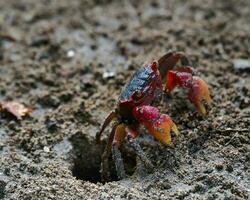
15	108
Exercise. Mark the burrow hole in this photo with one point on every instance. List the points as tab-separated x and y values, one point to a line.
86	159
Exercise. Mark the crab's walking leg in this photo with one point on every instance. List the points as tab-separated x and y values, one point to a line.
198	89
107	121
139	152
169	60
159	125
131	134
118	138
105	156
118	162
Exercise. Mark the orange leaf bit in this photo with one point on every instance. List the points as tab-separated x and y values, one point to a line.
15	108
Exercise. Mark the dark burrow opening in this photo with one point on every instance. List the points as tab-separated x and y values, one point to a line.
86	159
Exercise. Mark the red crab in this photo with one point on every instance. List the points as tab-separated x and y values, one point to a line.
134	106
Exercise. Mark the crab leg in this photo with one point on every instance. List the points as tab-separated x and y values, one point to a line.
107	121
159	125
169	60
105	156
118	138
118	134
131	134
139	152
198	89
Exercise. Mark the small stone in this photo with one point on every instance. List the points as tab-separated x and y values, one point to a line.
199	188
107	75
39	41
51	125
229	168
88	80
166	185
219	167
46	149
49	101
43	56
70	53
242	64
208	171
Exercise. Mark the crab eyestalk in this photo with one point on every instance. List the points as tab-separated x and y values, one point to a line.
158	125
198	89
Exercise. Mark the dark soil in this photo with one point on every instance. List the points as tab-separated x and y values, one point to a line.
68	60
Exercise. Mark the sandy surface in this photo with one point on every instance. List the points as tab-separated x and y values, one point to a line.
59	57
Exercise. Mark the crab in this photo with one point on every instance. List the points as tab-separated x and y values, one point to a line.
135	106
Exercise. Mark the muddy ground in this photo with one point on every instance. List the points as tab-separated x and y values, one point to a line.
68	60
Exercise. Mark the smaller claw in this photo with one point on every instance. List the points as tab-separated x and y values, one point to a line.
159	125
198	93
161	129
198	89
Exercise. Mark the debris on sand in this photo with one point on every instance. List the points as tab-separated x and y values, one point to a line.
15	108
108	75
71	53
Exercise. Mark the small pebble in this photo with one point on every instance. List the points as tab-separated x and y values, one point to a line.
208	171
39	41
229	168
70	53
242	64
51	125
46	149
107	75
219	167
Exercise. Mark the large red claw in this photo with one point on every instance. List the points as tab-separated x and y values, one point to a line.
159	125
162	127
198	93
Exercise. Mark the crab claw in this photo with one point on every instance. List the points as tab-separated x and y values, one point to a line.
198	89
159	125
198	94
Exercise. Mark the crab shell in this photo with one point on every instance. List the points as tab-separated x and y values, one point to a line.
144	86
